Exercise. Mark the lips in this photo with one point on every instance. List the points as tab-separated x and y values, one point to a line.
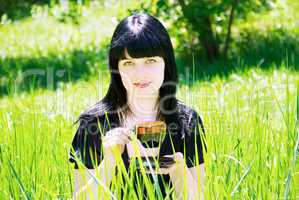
142	85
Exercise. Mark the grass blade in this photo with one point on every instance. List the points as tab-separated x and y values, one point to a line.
19	181
296	150
241	180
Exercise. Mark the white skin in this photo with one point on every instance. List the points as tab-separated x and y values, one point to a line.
143	103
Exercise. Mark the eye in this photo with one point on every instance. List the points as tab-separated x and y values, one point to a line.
127	63
151	60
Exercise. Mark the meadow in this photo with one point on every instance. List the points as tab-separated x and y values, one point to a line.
250	114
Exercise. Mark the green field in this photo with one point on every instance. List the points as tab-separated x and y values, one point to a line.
250	114
249	117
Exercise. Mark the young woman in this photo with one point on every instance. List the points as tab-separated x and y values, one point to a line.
142	88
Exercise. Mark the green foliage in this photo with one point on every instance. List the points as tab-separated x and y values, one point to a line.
249	119
45	45
69	13
17	9
272	46
254	110
74	38
208	20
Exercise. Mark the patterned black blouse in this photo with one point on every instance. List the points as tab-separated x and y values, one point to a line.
183	134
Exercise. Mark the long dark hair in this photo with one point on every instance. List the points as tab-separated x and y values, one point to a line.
141	35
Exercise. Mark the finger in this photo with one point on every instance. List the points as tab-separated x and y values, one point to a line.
141	147
122	140
167	167
167	158
125	131
125	138
117	131
139	142
163	171
158	171
136	144
115	141
133	150
122	132
152	172
108	138
177	156
118	134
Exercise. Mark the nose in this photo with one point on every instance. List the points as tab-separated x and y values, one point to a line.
140	69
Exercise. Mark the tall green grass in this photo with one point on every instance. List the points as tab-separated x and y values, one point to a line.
250	121
250	115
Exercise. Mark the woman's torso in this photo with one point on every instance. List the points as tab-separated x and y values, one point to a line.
161	182
177	129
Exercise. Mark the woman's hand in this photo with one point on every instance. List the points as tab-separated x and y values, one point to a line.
136	149
174	170
114	142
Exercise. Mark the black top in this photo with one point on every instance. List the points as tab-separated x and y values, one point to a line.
183	132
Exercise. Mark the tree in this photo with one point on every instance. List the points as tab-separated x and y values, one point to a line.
204	16
17	9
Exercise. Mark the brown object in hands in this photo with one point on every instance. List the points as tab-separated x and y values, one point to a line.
152	131
155	130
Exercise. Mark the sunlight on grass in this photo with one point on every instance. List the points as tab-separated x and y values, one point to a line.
250	115
249	120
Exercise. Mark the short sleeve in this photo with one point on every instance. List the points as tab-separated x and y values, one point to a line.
86	144
193	141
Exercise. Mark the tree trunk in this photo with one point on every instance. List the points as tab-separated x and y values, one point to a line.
230	23
203	26
207	39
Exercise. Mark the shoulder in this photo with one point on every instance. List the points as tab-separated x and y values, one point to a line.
189	117
186	113
95	116
98	110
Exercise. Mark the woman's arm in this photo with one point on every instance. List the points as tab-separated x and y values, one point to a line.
88	182
86	187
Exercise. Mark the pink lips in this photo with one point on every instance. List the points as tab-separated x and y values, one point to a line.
142	85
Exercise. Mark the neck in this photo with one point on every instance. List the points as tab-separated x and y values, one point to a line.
143	106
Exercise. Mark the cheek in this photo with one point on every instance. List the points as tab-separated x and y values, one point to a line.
158	76
126	77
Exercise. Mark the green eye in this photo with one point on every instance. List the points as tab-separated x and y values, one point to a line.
151	60
127	63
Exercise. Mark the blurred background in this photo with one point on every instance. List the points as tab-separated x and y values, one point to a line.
217	37
238	64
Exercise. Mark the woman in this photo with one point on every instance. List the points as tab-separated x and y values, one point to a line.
142	88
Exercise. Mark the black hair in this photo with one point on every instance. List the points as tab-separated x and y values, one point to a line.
142	35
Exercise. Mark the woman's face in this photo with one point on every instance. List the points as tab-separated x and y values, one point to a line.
142	75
